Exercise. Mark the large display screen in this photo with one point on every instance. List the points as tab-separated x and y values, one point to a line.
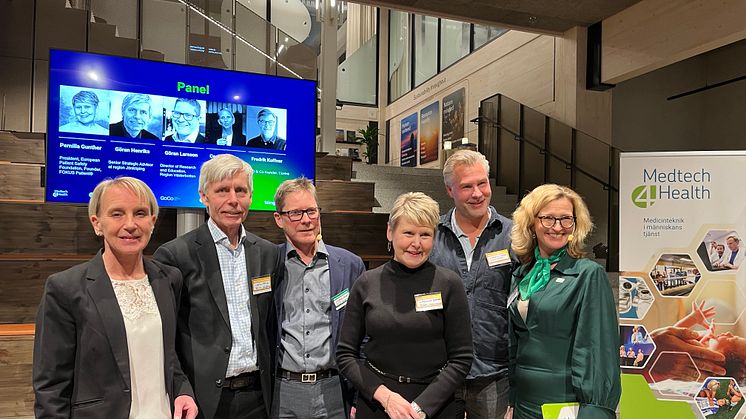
113	116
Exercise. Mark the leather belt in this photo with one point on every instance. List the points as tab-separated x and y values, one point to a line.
306	377
247	379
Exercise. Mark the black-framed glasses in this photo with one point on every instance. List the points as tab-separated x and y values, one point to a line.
297	215
187	116
549	221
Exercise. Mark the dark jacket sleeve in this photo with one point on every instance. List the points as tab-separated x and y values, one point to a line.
54	353
595	359
349	359
457	335
181	382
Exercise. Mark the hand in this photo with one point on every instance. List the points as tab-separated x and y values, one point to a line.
394	404
509	413
680	339
699	315
353	411
185	404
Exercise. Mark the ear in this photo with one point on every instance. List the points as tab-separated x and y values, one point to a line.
278	220
203	199
96	224
449	190
389	233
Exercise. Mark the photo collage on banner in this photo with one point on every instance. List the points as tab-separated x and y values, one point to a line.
409	141
682	291
130	115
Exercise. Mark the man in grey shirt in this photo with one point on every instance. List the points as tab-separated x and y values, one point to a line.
310	302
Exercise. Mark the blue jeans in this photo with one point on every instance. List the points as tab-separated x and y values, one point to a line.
484	398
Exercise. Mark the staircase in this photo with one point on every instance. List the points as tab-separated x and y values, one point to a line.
392	181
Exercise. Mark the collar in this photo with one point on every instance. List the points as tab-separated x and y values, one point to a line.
191	138
219	236
448	220
321	250
567	265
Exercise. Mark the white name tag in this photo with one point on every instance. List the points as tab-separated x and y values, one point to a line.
340	300
560	280
498	258
261	285
428	301
513	295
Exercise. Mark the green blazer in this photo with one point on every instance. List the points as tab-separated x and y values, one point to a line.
567	348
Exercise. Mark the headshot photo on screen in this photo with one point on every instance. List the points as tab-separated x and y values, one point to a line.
225	124
267	127
136	115
185	120
84	110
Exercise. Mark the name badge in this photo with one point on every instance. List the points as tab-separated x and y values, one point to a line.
560	280
261	285
340	300
498	258
513	295
429	301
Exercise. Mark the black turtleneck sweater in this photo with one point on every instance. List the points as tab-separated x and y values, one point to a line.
402	341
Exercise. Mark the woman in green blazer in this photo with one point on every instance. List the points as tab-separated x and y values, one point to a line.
563	320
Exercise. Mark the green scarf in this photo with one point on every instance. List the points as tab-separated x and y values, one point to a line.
538	276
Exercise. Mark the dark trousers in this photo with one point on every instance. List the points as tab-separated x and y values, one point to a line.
242	403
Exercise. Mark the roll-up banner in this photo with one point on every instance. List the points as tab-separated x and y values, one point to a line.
682	292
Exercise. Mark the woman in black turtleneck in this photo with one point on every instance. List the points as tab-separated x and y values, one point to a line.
416	318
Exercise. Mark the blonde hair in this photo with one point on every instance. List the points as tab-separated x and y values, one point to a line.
223	166
463	158
522	236
131	184
301	184
415	207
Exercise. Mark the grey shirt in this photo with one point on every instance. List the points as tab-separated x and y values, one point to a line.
305	344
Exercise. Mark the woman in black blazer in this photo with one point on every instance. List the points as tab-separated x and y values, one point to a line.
105	329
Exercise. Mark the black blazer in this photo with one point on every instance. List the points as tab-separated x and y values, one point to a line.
118	130
81	362
204	337
199	140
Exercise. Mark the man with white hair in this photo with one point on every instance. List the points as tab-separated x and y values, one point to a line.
227	322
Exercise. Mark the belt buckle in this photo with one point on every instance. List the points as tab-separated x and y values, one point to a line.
308	377
239	383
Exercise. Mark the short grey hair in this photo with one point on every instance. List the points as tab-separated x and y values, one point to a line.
136	186
415	207
135	98
463	158
85	96
221	167
192	102
301	184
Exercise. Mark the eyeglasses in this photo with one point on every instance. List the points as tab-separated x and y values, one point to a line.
297	215
549	221
269	122
187	116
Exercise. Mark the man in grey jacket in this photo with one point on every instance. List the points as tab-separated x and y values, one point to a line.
473	240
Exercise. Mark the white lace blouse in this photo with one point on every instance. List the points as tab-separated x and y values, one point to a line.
142	323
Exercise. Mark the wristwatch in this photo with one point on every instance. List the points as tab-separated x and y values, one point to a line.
418	410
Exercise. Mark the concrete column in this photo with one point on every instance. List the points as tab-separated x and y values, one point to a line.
328	77
187	219
383	81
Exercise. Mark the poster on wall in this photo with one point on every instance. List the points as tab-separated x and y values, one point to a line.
429	133
682	286
453	115
409	141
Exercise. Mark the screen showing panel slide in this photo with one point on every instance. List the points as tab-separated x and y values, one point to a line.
113	116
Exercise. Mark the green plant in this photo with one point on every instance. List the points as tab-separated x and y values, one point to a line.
369	138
